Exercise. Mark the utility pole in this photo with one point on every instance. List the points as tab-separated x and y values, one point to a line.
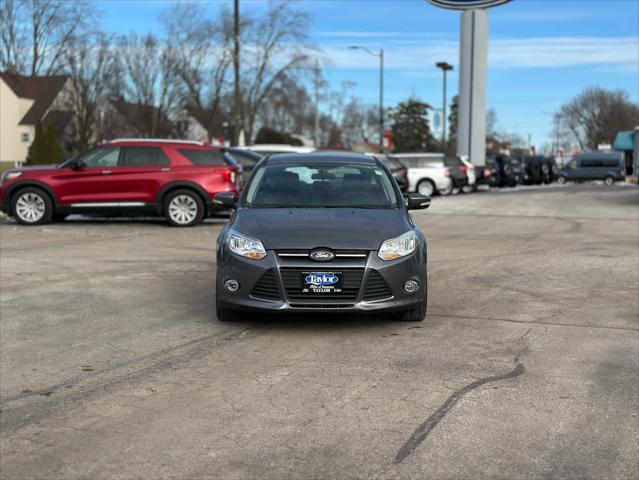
445	67
237	104
381	100
317	100
381	90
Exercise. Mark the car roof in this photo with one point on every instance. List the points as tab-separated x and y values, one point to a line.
419	155
159	141
268	147
346	157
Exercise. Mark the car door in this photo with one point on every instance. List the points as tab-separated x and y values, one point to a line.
588	168
144	171
96	181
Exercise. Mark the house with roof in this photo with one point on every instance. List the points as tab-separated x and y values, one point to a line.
202	125
25	101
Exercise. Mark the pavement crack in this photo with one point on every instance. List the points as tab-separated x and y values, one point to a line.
420	434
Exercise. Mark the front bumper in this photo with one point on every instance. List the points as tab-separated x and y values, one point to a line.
371	285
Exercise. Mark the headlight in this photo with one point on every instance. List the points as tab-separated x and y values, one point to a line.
246	247
10	175
398	247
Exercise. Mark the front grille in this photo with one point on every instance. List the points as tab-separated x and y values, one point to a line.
292	253
292	280
266	287
376	287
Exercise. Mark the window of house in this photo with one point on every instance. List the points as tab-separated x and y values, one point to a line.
25	137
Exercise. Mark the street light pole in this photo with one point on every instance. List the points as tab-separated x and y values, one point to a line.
381	100
445	67
381	90
237	100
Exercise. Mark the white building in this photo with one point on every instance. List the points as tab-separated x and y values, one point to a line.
25	101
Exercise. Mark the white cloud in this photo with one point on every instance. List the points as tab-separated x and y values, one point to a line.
564	51
543	52
545	16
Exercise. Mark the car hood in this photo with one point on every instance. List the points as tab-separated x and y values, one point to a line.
306	228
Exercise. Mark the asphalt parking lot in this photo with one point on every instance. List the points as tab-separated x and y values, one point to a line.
113	364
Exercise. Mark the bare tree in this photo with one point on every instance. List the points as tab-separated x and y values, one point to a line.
91	64
274	45
288	108
595	116
13	37
150	71
203	53
360	122
35	33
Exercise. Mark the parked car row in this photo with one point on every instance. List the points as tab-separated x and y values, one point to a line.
180	179
436	173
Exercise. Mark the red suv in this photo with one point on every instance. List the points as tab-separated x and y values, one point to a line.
176	179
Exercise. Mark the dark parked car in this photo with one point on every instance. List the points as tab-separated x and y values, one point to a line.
489	174
608	167
532	170
517	177
548	166
321	232
458	172
172	178
509	172
397	169
245	158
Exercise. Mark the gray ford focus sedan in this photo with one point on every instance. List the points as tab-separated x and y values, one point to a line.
321	232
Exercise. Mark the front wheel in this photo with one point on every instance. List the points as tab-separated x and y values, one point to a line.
31	206
561	180
183	208
426	187
609	181
446	191
417	314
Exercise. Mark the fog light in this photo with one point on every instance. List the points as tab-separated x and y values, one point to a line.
411	286
232	285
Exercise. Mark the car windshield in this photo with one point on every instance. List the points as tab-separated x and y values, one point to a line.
321	185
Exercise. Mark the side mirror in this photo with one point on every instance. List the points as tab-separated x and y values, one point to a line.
77	164
226	199
417	201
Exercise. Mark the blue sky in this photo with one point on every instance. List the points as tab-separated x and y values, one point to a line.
542	52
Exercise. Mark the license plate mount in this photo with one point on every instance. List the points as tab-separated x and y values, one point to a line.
322	282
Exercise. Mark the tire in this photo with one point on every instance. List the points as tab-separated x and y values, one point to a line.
225	314
32	206
183	208
561	180
417	314
609	181
426	187
446	191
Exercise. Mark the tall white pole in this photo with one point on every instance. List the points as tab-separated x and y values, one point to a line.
473	63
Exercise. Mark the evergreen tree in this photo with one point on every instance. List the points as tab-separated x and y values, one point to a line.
452	120
45	148
37	150
54	150
411	131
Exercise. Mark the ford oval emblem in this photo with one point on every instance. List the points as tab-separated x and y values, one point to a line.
322	255
467	4
321	279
